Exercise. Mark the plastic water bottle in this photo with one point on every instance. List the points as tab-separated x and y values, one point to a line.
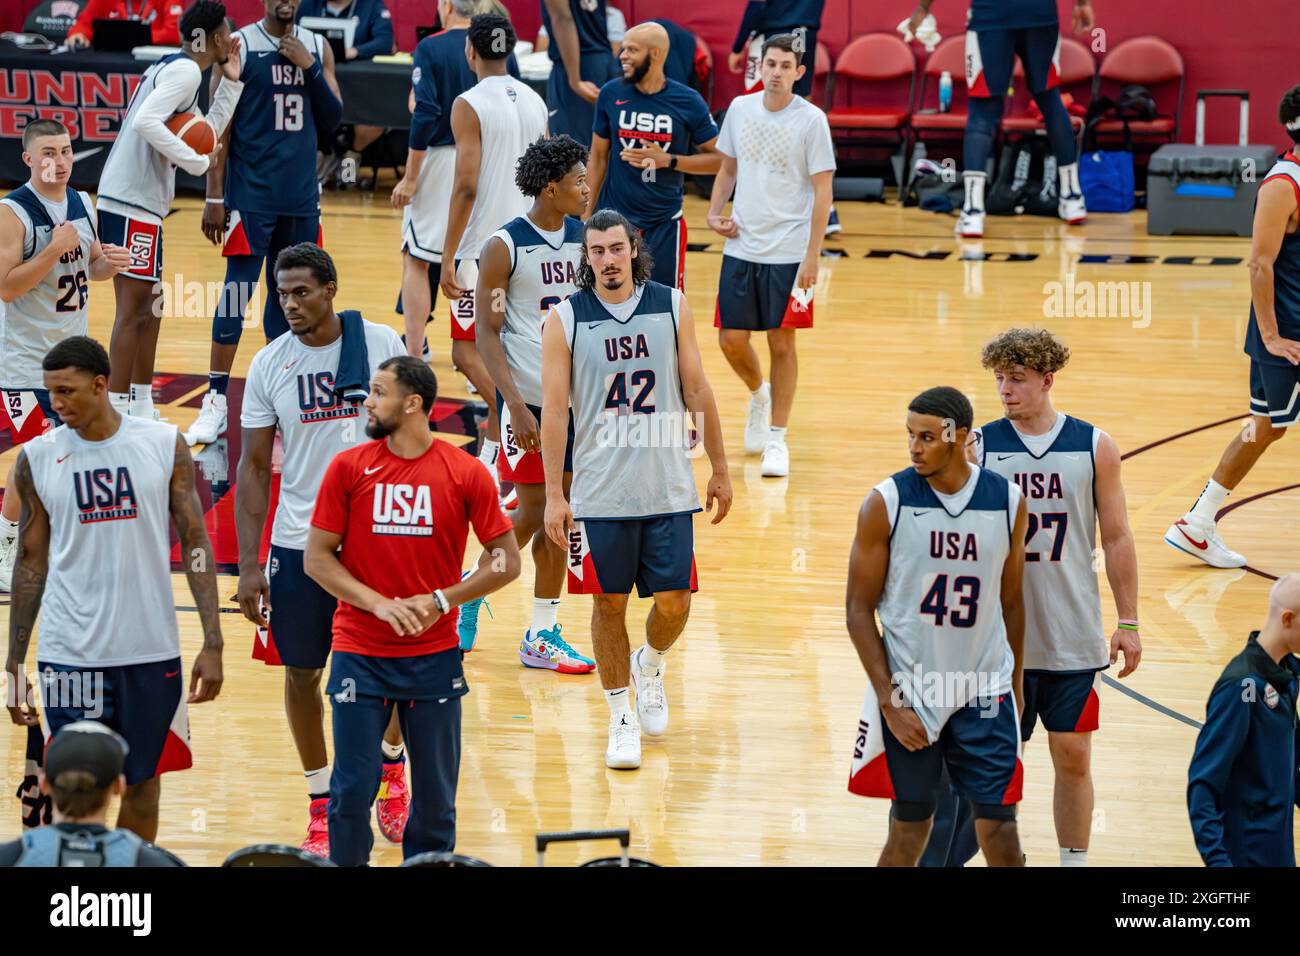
945	92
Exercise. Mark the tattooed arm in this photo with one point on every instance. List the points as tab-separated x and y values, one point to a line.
200	573
27	588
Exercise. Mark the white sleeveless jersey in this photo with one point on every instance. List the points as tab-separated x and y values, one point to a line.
58	305
1063	630
543	273
941	609
511	117
108	597
291	385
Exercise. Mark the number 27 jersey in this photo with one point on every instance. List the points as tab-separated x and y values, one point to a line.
271	166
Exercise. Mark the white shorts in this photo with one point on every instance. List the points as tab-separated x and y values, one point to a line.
462	309
424	220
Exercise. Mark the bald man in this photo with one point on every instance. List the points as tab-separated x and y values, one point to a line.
1241	785
661	129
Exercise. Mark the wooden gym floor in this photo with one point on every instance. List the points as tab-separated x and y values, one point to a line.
764	686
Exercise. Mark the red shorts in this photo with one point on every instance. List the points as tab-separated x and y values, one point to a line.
520	467
27	414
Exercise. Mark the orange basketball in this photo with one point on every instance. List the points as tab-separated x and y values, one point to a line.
195	131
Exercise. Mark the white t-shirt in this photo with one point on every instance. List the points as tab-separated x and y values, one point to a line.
776	154
290	385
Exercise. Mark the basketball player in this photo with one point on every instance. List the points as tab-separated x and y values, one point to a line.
48	250
997	32
769	18
262	190
139	180
1069	474
623	350
392	519
293	387
493	122
526	267
777	154
582	61
658	124
1272	342
939	554
98	498
441	73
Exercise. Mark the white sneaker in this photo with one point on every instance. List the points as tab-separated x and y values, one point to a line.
623	751
1072	209
776	460
211	423
759	420
970	224
1200	539
8	556
651	703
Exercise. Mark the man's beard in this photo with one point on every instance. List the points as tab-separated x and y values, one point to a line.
612	280
640	70
376	429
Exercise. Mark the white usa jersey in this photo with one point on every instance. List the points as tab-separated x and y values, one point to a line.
108	595
511	117
543	273
941	609
291	385
1063	630
57	306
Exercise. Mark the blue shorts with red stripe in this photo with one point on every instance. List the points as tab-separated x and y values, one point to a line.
145	703
27	413
266	233
980	748
667	244
139	237
608	556
1066	703
991	56
302	613
759	297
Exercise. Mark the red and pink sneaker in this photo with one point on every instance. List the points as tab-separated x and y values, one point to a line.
318	830
393	805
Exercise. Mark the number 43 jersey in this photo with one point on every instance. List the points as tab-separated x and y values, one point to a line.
1056	472
941	609
271	165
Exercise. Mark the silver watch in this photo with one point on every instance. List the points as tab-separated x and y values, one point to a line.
440	599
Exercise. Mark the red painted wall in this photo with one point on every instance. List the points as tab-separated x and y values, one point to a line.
1223	45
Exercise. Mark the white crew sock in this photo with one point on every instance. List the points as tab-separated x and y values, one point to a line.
392	752
1071	857
120	402
545	611
1212	498
488	455
141	402
974	183
762	394
1069	179
776	434
618	702
318	782
651	658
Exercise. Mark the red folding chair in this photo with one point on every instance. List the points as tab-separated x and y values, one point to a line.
949	55
1150	62
881	60
1075	77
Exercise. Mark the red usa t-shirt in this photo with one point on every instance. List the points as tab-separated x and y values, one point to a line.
404	523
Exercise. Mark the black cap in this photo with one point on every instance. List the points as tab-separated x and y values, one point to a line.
89	746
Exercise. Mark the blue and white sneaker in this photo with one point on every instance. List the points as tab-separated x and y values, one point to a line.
549	651
467	619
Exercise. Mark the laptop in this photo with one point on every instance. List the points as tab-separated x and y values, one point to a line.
120	36
339	32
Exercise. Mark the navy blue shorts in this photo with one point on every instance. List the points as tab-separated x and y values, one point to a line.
302	612
141	238
667	245
991	56
1066	703
145	703
608	556
525	468
1275	392
266	233
571	115
759	297
979	747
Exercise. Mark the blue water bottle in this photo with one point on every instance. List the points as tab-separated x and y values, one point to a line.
945	92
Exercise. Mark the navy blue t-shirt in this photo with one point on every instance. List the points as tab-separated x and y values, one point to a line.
1011	14
440	74
676	119
593	34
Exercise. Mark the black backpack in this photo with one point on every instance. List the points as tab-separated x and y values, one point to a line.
1134	102
1026	180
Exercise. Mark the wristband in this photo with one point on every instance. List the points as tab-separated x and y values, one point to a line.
1128	625
218	201
440	599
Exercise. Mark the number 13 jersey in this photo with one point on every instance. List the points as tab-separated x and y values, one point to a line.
271	166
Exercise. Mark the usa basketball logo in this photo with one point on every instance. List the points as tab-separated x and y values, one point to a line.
142	245
1271	697
318	402
403	510
105	494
